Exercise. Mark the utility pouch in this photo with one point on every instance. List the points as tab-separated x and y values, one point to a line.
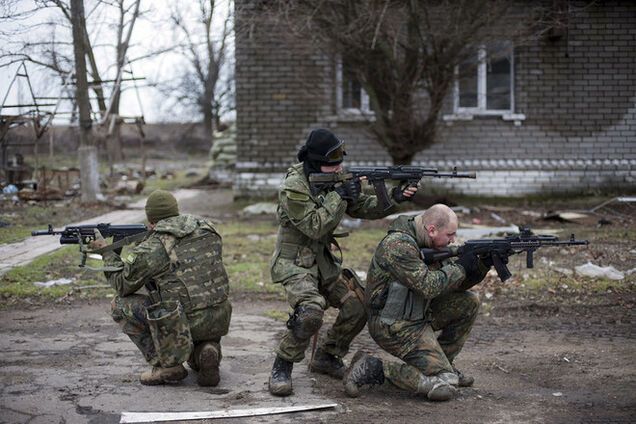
354	284
305	257
395	301
170	333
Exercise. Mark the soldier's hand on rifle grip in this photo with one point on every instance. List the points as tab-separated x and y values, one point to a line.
403	193
469	261
349	190
99	241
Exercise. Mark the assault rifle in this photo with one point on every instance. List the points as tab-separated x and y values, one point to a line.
83	234
377	175
500	249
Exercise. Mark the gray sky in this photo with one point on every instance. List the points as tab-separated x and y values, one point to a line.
151	32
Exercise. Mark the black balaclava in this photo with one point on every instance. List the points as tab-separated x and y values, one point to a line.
321	148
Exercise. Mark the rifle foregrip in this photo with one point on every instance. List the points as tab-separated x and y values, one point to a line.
502	270
530	260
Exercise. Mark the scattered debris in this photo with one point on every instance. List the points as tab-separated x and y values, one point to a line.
531	214
262	208
351	223
51	283
479	231
10	189
595	271
565	216
563	271
498	218
148	417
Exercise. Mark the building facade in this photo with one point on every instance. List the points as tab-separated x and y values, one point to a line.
555	116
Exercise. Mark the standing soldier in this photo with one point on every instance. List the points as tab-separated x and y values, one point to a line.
409	301
186	311
305	264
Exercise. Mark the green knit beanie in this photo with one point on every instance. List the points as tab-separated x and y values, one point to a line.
160	205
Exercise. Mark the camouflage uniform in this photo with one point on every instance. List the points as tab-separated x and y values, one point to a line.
180	262
304	264
429	298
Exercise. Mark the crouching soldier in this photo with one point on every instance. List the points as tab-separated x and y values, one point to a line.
306	260
172	294
408	301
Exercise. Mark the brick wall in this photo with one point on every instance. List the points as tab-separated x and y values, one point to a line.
578	95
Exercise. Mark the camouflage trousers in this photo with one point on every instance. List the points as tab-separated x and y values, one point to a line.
208	324
309	291
415	343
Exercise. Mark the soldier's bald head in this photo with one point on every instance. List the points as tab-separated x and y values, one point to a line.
439	215
436	227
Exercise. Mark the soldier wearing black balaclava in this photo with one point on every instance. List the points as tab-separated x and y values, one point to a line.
308	263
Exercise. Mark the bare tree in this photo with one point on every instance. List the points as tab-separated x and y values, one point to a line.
87	151
55	54
205	83
405	53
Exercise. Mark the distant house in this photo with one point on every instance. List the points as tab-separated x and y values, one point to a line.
563	120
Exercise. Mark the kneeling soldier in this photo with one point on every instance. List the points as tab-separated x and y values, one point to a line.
186	311
409	301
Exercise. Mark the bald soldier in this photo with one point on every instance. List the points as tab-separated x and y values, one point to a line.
172	294
408	301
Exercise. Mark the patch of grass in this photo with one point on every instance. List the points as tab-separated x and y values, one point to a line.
278	315
26	218
19	281
179	179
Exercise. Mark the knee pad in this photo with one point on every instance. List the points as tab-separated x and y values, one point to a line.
304	322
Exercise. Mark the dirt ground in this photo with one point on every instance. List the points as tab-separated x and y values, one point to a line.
552	358
532	364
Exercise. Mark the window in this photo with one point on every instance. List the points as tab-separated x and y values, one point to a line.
485	83
351	99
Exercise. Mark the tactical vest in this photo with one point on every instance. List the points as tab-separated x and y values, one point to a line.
402	303
196	276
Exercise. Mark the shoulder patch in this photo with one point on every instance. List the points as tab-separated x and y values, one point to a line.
294	195
130	258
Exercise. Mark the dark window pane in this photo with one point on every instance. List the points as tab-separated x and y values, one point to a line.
468	83
498	74
351	91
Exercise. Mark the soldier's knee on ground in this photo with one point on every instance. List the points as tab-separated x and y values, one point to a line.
305	321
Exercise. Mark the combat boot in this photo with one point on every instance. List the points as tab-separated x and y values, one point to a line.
326	363
364	369
280	382
464	380
159	375
207	357
436	388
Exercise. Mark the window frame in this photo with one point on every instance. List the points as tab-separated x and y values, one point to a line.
363	110
482	87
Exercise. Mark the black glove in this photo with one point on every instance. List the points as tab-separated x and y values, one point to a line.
470	262
398	194
349	190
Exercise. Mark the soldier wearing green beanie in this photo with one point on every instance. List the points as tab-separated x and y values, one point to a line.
186	311
161	204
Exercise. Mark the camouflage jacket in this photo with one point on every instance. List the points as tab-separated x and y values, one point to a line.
182	256
307	225
397	259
